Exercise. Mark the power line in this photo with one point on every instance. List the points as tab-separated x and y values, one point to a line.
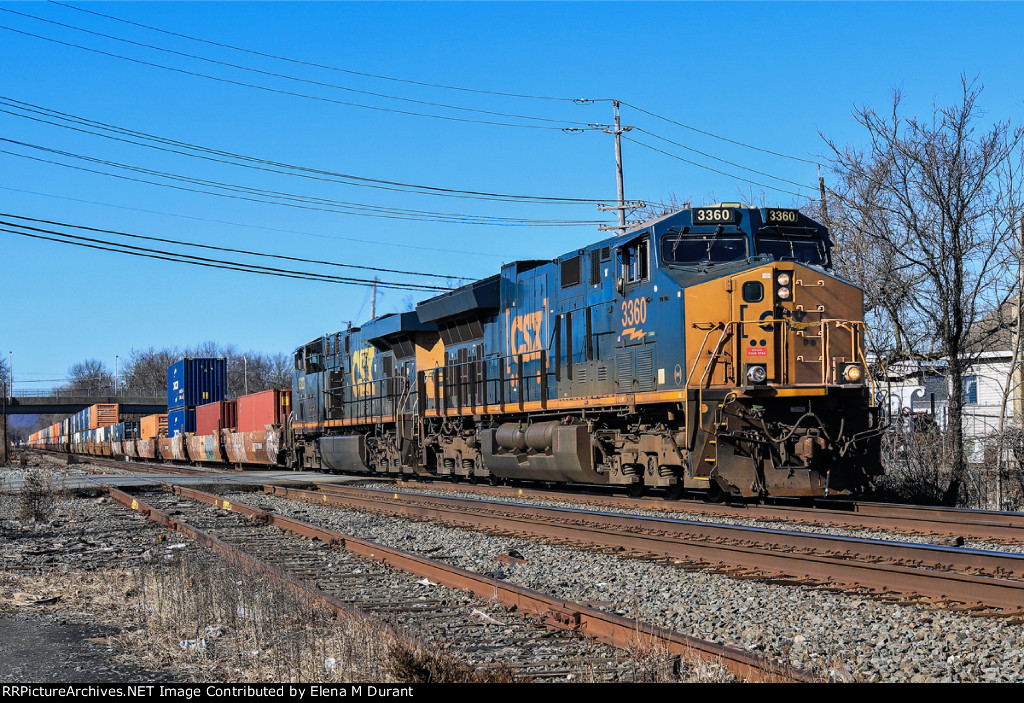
716	136
724	161
281	198
714	170
331	176
149	253
279	91
447	87
224	249
435	85
375	242
285	76
324	66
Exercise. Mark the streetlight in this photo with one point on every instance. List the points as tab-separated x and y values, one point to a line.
115	375
245	374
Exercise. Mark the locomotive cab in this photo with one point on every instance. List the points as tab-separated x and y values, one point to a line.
779	393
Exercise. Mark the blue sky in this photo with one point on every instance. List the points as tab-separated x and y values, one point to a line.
771	75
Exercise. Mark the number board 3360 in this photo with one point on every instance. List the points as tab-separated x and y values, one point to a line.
779	216
714	215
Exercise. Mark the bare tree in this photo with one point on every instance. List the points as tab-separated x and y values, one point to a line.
145	371
91	376
934	200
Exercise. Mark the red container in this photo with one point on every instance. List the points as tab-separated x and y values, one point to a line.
258	410
211	417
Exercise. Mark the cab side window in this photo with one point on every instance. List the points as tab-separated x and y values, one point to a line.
636	261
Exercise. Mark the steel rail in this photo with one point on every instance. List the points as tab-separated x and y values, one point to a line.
915	519
1002	564
604	627
970	589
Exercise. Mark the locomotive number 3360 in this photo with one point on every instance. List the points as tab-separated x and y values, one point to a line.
634	312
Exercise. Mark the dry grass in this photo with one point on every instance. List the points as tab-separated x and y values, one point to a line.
222	621
203	619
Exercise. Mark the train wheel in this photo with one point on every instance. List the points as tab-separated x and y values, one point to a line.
675	491
715	494
636	489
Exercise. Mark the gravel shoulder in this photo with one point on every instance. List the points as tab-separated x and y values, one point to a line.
839	636
81	554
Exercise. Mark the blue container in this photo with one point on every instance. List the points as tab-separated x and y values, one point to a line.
125	430
192	382
181	420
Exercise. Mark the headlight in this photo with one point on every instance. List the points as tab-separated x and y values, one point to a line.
852	373
757	374
783	279
783	293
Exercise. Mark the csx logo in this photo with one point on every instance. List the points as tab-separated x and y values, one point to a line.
362	372
526	333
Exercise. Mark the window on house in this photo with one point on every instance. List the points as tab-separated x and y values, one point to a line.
970	390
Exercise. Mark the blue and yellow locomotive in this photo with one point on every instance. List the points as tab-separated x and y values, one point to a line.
712	349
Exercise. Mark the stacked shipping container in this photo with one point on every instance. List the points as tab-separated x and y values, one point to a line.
192	383
211	417
258	410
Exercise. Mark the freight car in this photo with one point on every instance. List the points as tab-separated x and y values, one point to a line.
253	437
712	349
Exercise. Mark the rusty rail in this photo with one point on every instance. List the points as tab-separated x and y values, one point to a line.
604	627
625	532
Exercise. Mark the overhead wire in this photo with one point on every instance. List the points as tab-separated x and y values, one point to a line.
281	198
717	136
285	76
280	91
150	253
331	176
375	242
325	66
721	160
382	95
247	252
714	170
449	87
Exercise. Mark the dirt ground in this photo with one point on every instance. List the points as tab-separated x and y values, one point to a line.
39	648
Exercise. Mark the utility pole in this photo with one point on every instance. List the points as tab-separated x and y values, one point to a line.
617	131
1018	373
824	202
373	300
6	459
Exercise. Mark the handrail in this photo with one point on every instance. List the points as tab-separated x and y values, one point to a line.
825	324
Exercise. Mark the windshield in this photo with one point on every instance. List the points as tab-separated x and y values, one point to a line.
702	248
808	251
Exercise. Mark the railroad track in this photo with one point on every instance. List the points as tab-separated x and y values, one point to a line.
929	574
952	523
338	568
939	576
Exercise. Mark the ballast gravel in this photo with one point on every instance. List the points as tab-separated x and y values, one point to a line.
844	637
683	514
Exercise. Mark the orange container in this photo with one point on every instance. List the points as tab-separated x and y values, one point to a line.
153	426
103	415
258	410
